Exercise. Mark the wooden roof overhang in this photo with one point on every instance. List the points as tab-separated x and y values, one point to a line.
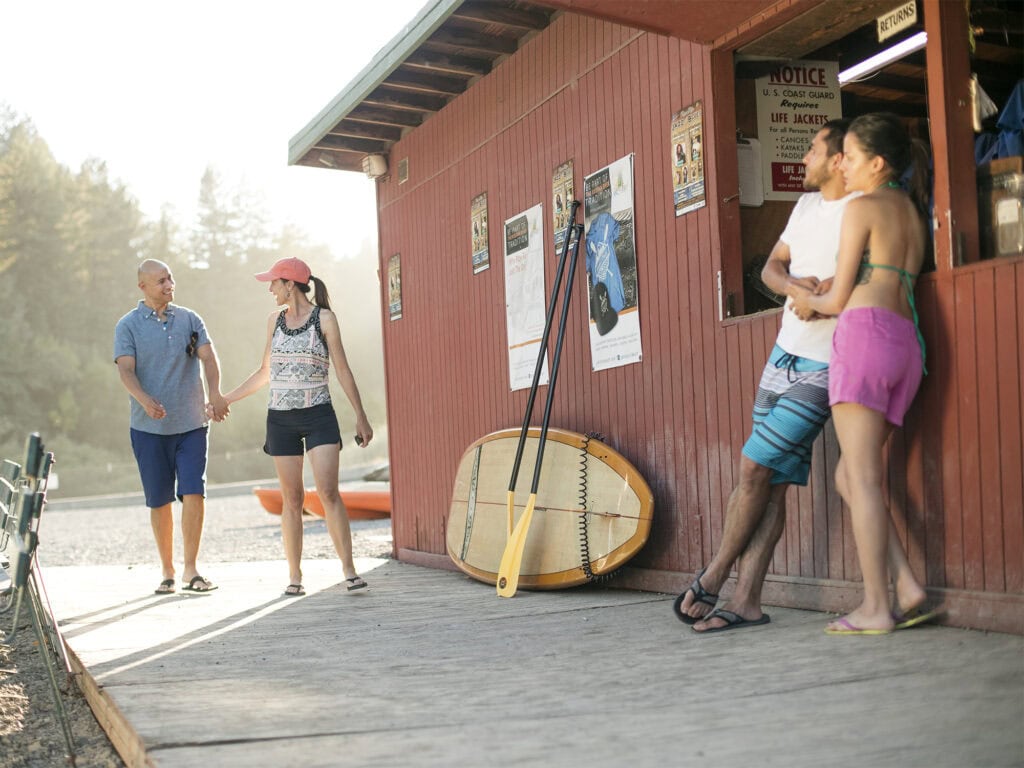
451	44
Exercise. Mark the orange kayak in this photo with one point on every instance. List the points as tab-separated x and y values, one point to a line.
361	504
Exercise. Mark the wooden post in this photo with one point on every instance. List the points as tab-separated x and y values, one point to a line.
952	134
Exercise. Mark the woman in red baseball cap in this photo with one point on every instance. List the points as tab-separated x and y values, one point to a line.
303	339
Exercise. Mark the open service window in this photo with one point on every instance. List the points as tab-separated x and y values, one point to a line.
843	60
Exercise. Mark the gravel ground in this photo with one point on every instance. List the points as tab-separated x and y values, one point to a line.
237	529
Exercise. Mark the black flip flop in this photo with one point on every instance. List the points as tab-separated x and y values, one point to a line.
166	587
700	595
732	621
294	590
205	585
356	582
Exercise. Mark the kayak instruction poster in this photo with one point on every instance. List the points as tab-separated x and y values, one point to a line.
524	295
611	266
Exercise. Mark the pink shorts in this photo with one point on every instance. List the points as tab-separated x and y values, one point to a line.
876	362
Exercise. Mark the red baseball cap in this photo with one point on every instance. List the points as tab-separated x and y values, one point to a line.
292	269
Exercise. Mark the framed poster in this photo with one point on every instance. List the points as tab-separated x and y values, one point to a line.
561	200
478	227
612	266
687	157
524	295
395	287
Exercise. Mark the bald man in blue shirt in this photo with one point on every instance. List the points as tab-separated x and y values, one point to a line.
158	349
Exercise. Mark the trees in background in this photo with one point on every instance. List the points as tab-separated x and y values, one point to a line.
70	243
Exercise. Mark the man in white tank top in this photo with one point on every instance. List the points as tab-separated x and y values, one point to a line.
791	405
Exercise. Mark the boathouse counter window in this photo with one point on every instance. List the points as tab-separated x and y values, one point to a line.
876	72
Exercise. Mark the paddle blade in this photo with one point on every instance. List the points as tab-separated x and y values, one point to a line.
511	513
512	558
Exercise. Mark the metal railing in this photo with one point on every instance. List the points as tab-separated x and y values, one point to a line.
22	498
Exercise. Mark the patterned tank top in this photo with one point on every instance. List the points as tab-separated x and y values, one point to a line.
299	365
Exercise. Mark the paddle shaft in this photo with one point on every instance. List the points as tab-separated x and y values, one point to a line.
556	359
512	558
540	356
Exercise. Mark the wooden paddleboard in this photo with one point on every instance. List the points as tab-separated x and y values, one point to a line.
361	503
582	481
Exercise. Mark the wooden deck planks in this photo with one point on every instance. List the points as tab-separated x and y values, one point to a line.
430	668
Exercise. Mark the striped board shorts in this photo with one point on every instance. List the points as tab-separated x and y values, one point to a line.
790	409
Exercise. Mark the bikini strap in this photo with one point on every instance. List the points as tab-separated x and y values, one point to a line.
908	285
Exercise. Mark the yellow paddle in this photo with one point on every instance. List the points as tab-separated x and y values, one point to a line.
512	557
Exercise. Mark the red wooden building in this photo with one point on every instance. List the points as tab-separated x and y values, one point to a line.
491	96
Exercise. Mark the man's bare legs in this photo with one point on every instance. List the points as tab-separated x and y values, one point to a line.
293	494
750	521
753	564
324	460
163	531
193	513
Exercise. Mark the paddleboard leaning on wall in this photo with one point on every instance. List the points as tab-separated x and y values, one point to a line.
593	509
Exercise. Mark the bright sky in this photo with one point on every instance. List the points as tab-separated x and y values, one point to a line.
161	90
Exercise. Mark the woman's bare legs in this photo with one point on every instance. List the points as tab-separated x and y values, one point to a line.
293	494
324	460
908	590
862	433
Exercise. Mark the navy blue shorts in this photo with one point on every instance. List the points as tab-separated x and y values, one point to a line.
286	430
162	458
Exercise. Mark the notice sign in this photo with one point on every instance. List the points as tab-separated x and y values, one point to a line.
793	102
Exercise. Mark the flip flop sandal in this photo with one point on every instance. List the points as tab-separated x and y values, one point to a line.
700	595
913	617
356	582
294	590
732	621
199	584
166	587
846	628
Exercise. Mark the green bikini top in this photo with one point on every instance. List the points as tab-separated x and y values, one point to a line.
908	285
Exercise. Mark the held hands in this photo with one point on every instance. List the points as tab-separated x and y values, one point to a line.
217	409
800	291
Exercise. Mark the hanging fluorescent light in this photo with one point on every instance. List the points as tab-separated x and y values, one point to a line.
884	58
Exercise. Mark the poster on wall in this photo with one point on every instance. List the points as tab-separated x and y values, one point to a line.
687	155
395	287
793	102
524	295
478	225
611	266
561	201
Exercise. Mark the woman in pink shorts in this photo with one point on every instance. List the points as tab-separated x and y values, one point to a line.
877	353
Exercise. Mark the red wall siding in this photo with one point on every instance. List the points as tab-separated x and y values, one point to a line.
592	92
